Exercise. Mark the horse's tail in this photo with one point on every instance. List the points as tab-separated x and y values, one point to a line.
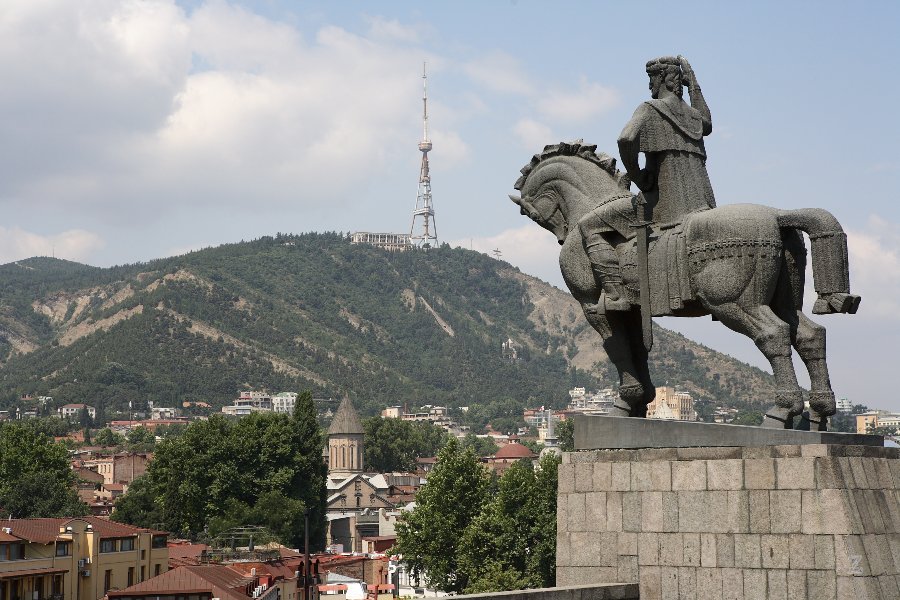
831	268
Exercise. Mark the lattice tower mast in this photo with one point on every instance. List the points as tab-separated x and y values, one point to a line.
424	208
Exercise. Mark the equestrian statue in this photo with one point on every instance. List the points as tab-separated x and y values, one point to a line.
670	251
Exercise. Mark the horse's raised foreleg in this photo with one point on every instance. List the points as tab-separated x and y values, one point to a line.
807	336
773	338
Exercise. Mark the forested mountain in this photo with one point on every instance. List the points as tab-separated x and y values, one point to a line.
313	311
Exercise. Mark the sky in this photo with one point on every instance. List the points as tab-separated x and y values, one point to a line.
132	130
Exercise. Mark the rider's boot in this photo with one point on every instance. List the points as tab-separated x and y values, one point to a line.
605	264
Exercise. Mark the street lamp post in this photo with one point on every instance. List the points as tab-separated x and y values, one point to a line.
306	585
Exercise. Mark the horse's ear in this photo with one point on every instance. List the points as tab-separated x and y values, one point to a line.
516	199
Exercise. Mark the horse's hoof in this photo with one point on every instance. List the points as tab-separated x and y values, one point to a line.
812	421
837	302
778	418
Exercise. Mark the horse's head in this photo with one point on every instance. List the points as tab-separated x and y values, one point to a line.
564	182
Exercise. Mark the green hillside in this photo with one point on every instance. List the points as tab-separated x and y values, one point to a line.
313	311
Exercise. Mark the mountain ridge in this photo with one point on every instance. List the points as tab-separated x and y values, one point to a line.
313	311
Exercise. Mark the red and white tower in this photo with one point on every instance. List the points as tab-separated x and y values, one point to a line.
426	236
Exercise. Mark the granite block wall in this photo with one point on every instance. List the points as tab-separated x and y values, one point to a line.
812	522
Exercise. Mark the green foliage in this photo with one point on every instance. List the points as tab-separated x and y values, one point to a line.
108	438
314	301
394	445
429	537
482	446
565	435
512	542
141	435
747	417
35	478
264	468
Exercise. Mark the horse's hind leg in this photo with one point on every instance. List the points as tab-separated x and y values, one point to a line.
772	336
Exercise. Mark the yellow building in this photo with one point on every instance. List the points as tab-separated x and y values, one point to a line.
670	404
76	558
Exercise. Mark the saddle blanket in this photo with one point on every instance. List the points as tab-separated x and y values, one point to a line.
670	286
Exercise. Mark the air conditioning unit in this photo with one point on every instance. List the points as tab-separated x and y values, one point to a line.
81	563
86	573
7	530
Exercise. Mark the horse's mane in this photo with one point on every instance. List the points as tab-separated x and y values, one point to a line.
581	150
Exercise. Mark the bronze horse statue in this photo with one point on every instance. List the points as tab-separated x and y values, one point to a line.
743	264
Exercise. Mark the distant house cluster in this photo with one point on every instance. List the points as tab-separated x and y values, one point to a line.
438	415
249	402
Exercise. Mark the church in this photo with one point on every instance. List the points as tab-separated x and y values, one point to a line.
357	504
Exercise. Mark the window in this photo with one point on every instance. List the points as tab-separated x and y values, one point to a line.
107	546
159	541
143	573
63	548
12	551
130	577
156	569
126	544
107	580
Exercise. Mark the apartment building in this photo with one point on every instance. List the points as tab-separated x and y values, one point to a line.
79	558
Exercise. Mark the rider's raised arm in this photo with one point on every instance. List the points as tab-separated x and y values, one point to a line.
697	100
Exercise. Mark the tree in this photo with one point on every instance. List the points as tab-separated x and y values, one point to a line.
263	469
511	544
394	445
747	417
35	478
482	446
141	435
429	537
106	437
565	434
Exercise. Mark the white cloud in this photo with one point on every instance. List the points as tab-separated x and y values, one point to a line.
532	134
533	249
499	72
74	244
875	268
130	105
381	28
587	102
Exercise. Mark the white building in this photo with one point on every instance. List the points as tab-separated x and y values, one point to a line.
158	413
284	402
71	411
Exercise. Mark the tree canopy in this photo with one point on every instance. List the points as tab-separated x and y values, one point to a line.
429	537
394	444
263	469
35	478
471	533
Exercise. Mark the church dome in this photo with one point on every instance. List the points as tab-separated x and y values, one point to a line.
346	420
514	451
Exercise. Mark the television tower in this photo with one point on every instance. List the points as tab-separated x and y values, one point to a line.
424	209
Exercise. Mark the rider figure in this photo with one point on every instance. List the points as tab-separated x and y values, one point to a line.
674	181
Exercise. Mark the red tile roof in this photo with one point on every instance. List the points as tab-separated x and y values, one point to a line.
45	531
219	580
514	451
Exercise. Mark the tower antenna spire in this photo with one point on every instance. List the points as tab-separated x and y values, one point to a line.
424	208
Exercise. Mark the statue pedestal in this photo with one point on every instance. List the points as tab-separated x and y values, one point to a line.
802	520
